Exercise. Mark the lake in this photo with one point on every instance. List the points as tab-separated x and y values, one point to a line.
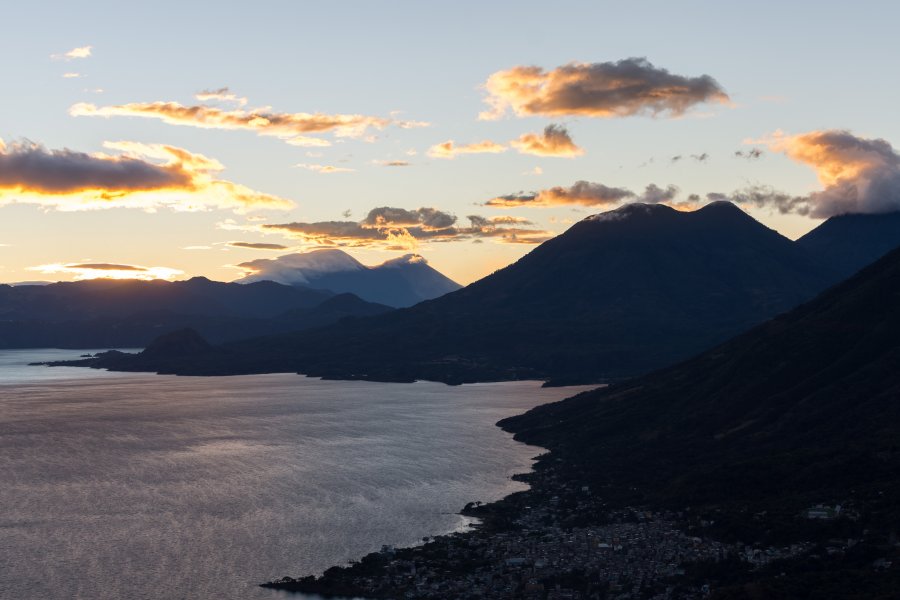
130	485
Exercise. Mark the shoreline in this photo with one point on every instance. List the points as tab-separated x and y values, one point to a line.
561	539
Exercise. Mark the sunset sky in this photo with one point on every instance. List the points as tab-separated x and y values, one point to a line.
177	139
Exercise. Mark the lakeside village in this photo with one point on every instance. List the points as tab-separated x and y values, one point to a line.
538	545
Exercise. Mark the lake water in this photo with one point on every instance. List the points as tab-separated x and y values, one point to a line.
125	485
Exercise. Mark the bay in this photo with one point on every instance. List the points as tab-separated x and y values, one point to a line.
130	485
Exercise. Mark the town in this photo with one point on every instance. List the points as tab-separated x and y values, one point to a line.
532	546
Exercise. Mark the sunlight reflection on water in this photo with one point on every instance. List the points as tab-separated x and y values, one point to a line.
141	486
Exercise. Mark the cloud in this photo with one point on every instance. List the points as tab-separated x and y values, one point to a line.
653	194
698	157
632	86
450	150
293	128
257	246
752	154
429	218
583	193
859	175
221	95
586	193
323	168
554	141
399	228
71	75
74	53
82	271
146	176
761	196
393	163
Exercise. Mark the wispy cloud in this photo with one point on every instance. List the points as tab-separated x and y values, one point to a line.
258	246
293	128
632	86
326	169
96	270
221	95
451	149
752	154
145	176
554	140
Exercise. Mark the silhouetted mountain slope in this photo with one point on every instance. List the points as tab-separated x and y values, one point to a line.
848	243
181	343
399	282
804	406
136	330
109	298
617	294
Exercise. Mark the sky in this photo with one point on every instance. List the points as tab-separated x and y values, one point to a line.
179	139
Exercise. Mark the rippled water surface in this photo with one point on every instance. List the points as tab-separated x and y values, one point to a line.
117	485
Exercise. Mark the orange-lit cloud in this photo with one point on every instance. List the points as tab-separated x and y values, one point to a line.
74	53
586	193
632	86
859	175
553	141
399	228
92	270
583	193
290	127
144	176
257	246
450	149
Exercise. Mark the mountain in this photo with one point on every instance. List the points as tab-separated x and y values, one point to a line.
112	298
399	282
618	294
803	408
847	243
127	314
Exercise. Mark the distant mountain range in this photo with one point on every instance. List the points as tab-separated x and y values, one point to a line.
399	282
618	294
116	313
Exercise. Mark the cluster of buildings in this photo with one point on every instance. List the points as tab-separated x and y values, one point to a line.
534	552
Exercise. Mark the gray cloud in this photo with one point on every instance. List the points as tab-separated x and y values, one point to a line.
859	175
752	154
627	87
257	246
430	218
31	167
653	194
400	228
584	193
105	267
